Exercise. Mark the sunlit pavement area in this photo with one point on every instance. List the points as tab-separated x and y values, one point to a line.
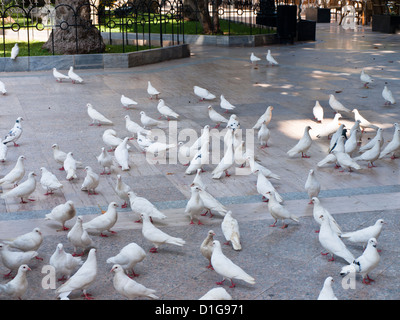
286	263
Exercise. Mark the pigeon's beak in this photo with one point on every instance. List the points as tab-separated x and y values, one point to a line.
29	269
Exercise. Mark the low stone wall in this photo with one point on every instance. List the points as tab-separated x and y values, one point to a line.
95	61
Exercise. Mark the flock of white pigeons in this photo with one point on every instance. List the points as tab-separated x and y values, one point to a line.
345	151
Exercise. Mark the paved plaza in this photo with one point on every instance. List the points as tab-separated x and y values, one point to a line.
286	263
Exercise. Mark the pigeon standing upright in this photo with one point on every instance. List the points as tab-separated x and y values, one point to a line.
225	104
15	174
70	166
195	205
103	222
278	211
254	59
364	123
14	51
73	76
216	117
64	263
122	189
105	160
166	111
121	154
319	210
3	88
271	60
370	155
265	117
312	185
24	190
364	264
152	91
15	133
365	78
326	292
91	181
49	181
231	232
318	112
302	145
81	279
263	135
206	247
18	285
79	237
394	145
388	96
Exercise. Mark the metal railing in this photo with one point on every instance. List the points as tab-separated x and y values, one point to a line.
141	23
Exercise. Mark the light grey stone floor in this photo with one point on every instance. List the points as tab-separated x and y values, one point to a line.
286	263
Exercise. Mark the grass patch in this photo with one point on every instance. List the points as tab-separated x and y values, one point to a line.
35	49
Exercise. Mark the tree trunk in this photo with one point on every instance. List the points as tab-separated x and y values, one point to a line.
74	32
205	16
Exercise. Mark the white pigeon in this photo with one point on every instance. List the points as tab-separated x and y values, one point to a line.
82	278
79	237
156	236
388	96
336	105
64	263
331	242
16	287
271	60
73	76
365	263
30	241
105	160
158	149
185	153
351	143
62	213
240	154
148	121
3	88
204	137
371	142
96	116
127	102
264	186
15	174
303	145
329	128
330	158
3	151
142	205
226	162
206	247
152	91
364	123
365	78
121	155
230	230
49	181
203	94
335	141
210	203
195	206
318	112
134	127
312	185
128	257
122	189
255	166
59	155
70	166
15	133
143	142
91	181
394	145
356	127
14	51
104	221
279	212
58	75
199	159
12	260
216	294
370	155
166	111
319	210
326	292
24	190
345	161
128	287
254	58
233	122
216	117
225	104
362	236
265	117
263	135
111	139
226	268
